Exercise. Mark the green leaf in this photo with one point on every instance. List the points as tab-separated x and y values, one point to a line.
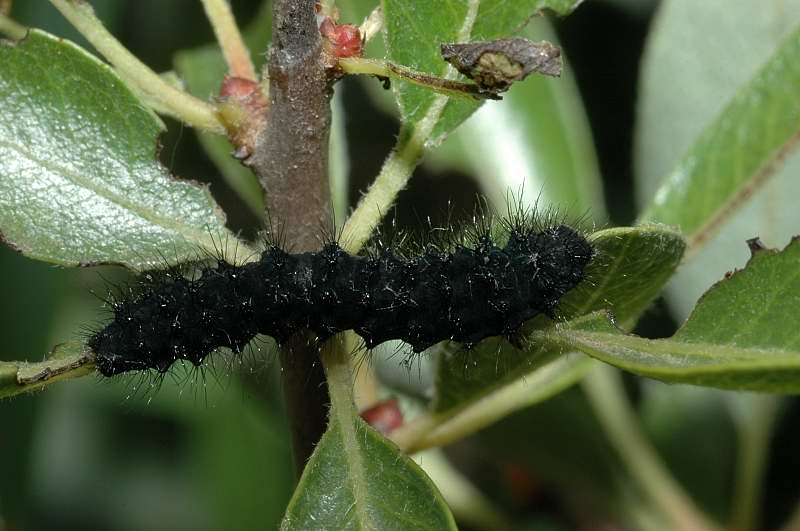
688	80
68	360
741	335
757	129
630	268
414	30
202	69
724	94
356	479
79	179
481	386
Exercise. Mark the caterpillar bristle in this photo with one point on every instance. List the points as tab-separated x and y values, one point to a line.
450	283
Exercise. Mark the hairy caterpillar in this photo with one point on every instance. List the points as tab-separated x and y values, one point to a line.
464	292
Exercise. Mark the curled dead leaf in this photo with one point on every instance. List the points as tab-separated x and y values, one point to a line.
495	65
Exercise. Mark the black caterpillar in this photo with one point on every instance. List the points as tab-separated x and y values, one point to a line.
465	294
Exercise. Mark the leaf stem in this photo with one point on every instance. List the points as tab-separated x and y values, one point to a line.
235	51
384	68
411	436
430	430
339	372
157	93
755	432
393	177
400	164
68	360
604	389
12	28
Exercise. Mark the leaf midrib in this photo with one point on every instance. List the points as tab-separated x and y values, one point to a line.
697	349
107	194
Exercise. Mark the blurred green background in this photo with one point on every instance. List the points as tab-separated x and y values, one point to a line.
214	454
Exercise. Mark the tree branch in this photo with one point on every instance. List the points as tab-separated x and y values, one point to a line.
290	159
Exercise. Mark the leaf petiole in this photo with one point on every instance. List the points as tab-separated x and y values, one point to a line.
386	69
156	93
236	53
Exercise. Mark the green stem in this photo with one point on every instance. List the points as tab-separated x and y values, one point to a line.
755	432
604	389
68	360
430	430
393	177
11	28
339	373
156	92
400	164
383	68
235	51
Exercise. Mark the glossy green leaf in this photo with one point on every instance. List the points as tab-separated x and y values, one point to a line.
741	335
480	386
731	95
69	360
358	480
687	79
202	69
736	152
630	268
79	179
414	30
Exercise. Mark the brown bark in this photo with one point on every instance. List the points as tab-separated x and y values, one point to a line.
290	159
291	154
